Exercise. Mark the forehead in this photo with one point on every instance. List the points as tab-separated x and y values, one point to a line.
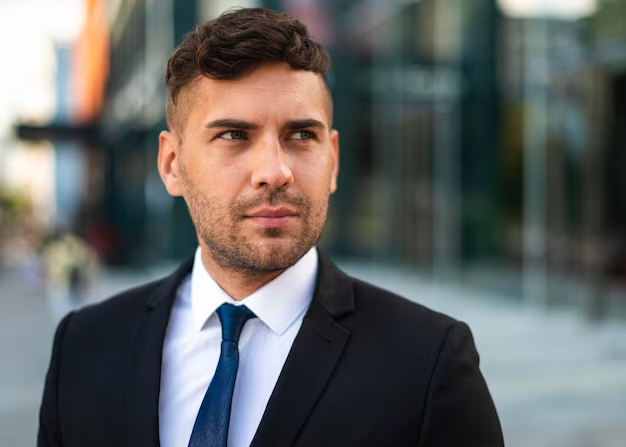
273	91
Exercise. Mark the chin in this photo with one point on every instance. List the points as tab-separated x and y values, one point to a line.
277	253
265	251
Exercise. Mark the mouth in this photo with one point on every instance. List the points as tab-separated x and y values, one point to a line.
271	217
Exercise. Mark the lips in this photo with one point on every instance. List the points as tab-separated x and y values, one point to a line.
272	212
272	217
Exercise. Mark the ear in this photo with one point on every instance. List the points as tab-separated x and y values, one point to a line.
168	162
334	141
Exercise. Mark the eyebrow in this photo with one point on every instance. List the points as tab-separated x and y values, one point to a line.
228	123
304	124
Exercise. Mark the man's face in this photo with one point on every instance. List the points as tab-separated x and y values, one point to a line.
256	162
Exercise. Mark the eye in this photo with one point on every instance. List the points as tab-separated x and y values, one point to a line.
303	135
233	135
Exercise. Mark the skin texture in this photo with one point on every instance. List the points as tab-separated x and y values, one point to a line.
250	151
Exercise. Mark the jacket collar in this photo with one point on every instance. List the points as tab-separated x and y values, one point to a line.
166	293
310	364
333	290
312	360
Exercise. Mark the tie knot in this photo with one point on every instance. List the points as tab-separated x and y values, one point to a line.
233	318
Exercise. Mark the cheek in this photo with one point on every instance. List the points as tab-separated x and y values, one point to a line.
216	175
314	174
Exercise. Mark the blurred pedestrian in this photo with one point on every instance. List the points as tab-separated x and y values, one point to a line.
69	265
259	339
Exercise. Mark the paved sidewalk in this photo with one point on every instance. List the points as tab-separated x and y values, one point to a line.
557	380
26	332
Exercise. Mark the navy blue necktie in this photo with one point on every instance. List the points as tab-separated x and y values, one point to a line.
211	427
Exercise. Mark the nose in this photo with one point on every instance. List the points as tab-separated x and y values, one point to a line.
271	166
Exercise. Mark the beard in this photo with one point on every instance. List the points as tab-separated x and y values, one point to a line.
222	228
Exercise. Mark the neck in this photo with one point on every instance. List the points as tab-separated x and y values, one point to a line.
237	284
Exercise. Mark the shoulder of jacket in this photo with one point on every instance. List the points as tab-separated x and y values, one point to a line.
125	303
398	309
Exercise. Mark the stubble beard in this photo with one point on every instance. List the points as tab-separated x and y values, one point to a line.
220	226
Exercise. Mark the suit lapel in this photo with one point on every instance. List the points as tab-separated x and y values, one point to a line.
311	361
145	353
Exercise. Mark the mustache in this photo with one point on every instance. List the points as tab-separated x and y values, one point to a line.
272	197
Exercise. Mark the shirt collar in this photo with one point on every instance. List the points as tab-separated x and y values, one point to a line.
278	303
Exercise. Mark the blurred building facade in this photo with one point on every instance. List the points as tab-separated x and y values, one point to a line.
474	145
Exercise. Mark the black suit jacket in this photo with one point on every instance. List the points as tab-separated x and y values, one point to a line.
367	368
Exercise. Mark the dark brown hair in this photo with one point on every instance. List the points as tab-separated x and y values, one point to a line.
233	45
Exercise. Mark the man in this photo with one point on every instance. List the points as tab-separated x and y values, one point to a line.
259	340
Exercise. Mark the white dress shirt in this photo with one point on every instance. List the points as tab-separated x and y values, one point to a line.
192	348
